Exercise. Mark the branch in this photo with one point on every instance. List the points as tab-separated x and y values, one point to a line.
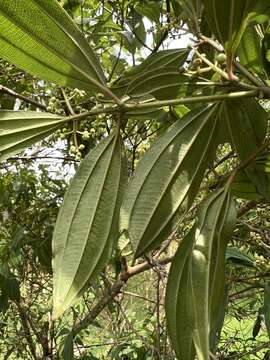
115	290
26	329
253	351
5	90
124	108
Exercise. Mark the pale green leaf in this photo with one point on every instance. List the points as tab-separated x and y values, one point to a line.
87	225
68	351
21	129
250	50
167	179
39	37
196	280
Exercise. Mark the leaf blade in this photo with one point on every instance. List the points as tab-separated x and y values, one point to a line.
42	39
91	209
20	129
167	179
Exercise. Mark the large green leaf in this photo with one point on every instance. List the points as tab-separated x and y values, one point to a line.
247	121
166	83
167	179
236	257
243	188
178	307
39	37
20	129
87	224
196	280
250	50
266	51
162	60
228	19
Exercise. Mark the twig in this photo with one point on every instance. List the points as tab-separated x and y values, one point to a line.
251	352
5	90
115	290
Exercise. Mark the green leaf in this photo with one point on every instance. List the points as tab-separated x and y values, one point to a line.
172	58
167	179
178	309
266	51
68	350
87	224
234	256
39	37
247	121
166	83
266	306
228	19
196	280
20	129
261	12
243	188
150	9
250	50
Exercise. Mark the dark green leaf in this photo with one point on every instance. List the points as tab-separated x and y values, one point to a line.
87	224
234	256
166	83
167	179
173	58
247	122
150	9
228	19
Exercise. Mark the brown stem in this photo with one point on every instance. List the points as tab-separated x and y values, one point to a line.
26	329
115	290
7	91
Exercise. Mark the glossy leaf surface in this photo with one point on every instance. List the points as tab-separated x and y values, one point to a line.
87	224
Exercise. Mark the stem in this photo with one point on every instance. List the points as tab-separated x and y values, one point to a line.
160	103
7	91
115	290
26	329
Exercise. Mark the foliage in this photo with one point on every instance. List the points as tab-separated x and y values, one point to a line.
102	92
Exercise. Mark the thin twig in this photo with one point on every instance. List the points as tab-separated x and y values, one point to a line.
7	91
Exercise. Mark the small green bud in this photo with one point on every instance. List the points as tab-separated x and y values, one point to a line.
221	58
73	149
